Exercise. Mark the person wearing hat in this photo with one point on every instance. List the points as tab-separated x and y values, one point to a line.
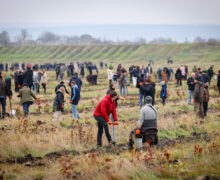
146	130
26	96
163	92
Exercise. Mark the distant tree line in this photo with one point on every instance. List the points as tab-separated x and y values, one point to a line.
49	38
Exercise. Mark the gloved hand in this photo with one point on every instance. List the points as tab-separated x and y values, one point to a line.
37	99
116	123
19	85
109	122
140	83
137	132
62	106
71	101
194	100
44	83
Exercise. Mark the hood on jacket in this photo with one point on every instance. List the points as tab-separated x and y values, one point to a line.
108	97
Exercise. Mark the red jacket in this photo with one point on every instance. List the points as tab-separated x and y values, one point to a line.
105	107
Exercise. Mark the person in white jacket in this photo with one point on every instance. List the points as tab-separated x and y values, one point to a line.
110	74
44	81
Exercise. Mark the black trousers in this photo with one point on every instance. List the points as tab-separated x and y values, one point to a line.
179	82
44	87
205	108
163	101
102	124
95	79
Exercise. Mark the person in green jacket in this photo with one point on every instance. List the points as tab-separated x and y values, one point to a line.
26	95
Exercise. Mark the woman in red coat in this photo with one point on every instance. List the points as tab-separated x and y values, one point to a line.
101	114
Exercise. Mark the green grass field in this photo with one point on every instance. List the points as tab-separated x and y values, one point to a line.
177	52
189	148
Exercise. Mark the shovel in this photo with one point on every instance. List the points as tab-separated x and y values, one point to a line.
114	141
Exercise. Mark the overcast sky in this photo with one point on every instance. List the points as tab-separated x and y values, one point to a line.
110	11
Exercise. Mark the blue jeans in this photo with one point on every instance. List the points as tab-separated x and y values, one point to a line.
190	94
124	88
26	106
159	78
74	111
3	102
141	98
126	80
35	87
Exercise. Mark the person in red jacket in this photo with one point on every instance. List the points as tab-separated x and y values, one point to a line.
101	114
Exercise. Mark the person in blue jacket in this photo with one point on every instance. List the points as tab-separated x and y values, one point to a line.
75	97
163	92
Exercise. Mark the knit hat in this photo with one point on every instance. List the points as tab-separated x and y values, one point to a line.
148	100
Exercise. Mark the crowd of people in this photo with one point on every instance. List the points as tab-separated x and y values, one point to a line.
28	79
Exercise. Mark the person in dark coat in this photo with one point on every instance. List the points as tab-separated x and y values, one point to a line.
75	97
191	86
140	82
95	74
71	67
8	83
82	70
16	81
58	105
20	79
178	77
131	72
205	77
163	92
135	75
28	77
6	67
76	79
147	89
90	67
218	81
210	73
4	92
